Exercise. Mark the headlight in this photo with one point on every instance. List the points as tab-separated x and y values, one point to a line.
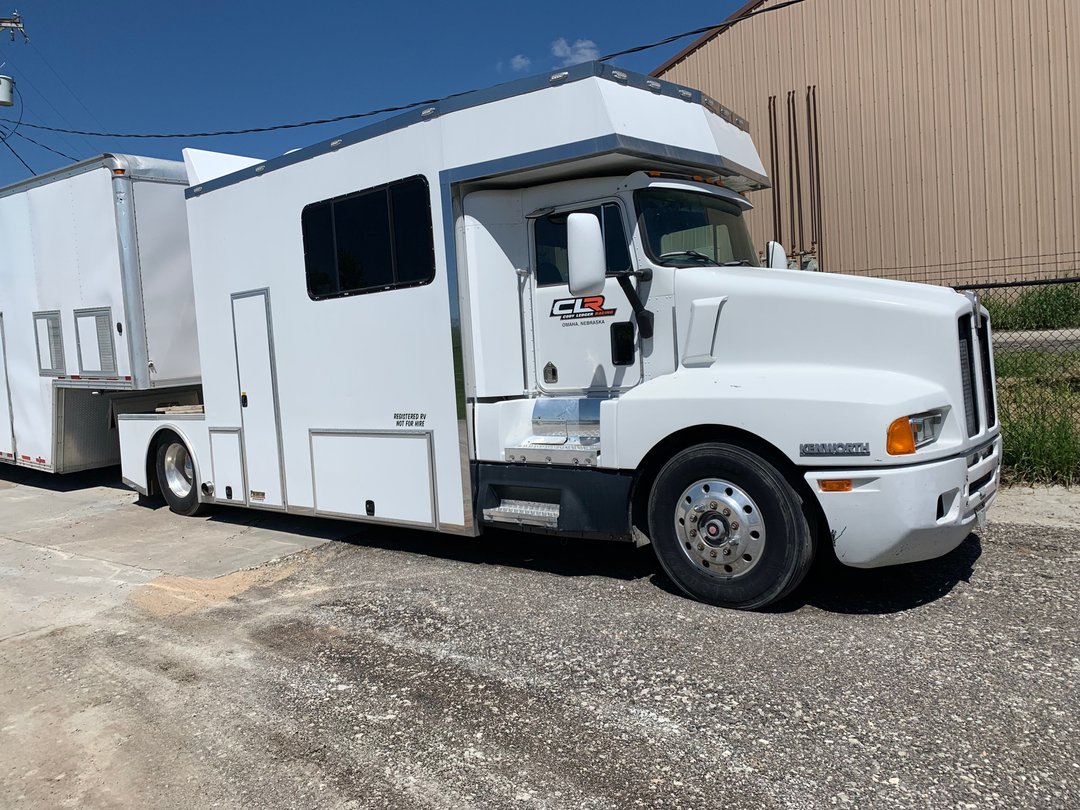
908	433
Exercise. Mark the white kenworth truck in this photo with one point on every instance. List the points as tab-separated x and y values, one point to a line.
537	306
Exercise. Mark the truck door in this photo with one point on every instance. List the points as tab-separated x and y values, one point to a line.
259	417
581	342
7	425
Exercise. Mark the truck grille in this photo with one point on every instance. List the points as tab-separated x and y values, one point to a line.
987	374
967	375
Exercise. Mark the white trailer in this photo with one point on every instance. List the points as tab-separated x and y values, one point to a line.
97	312
538	307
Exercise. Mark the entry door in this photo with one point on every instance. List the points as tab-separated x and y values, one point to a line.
259	414
7	424
573	334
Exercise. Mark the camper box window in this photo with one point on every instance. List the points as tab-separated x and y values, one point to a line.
377	239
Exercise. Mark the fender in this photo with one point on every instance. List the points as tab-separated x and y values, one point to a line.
788	406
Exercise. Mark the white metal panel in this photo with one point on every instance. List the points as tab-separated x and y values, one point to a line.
31	394
254	357
227	474
393	471
496	247
7	432
349	363
165	268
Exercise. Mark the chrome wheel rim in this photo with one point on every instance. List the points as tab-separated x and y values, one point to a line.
720	528
179	471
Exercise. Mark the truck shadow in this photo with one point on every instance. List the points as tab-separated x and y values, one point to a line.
836	588
108	477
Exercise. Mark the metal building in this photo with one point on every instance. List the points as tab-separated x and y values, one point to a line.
929	141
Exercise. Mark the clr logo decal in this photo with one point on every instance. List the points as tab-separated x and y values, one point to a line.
589	307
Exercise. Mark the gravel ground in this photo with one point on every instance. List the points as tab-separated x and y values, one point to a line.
405	670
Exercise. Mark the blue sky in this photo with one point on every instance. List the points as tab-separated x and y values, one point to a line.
143	66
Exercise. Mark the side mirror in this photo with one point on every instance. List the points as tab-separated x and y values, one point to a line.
585	254
775	256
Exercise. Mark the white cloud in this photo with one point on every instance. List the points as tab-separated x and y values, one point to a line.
582	50
520	62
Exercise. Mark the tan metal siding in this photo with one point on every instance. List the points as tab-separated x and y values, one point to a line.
949	131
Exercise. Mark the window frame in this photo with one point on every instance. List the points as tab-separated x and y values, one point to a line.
579	207
386	189
50	317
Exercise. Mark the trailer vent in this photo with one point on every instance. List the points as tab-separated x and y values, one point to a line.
94	339
50	343
967	375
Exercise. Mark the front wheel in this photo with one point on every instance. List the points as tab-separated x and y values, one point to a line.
727	527
176	477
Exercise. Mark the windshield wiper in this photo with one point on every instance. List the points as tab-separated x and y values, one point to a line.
690	254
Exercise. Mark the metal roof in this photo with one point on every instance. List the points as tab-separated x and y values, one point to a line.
708	36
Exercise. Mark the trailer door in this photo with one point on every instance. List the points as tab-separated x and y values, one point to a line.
259	412
7	424
582	343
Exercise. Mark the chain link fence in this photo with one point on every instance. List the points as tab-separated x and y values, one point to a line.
1037	358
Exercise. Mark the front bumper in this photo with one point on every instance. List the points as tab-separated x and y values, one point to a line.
905	514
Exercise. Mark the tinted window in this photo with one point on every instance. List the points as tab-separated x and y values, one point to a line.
552	266
372	240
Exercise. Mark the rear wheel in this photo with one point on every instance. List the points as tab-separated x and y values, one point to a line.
728	528
176	476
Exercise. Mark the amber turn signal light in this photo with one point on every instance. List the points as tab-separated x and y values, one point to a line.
835	485
901	439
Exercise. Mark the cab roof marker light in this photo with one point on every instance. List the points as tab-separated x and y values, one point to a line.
334	144
686	94
618	74
427	112
558	77
652	84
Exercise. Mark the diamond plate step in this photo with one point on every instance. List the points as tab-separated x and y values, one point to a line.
528	513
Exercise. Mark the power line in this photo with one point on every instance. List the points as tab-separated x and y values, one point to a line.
41	56
730	21
24	78
17	157
44	146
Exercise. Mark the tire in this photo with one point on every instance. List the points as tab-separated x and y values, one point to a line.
176	476
727	527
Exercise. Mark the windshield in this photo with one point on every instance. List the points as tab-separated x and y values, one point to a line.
691	229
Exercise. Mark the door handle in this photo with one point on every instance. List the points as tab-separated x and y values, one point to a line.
243	400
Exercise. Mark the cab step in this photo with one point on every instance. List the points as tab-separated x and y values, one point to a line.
524	513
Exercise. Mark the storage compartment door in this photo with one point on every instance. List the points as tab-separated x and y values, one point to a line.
258	398
386	476
7	426
227	466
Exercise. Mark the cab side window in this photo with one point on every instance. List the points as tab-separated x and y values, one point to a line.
552	266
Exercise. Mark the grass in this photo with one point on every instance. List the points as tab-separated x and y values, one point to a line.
1032	364
1053	306
1040	424
1039	407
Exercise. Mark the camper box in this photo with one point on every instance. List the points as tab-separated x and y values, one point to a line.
97	314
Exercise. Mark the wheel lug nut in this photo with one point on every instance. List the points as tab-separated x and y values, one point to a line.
693	532
693	518
712	554
726	512
735	525
700	546
727	552
713	504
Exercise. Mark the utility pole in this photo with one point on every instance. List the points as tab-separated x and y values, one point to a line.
12	24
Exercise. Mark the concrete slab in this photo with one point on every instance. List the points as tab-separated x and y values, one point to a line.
73	545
